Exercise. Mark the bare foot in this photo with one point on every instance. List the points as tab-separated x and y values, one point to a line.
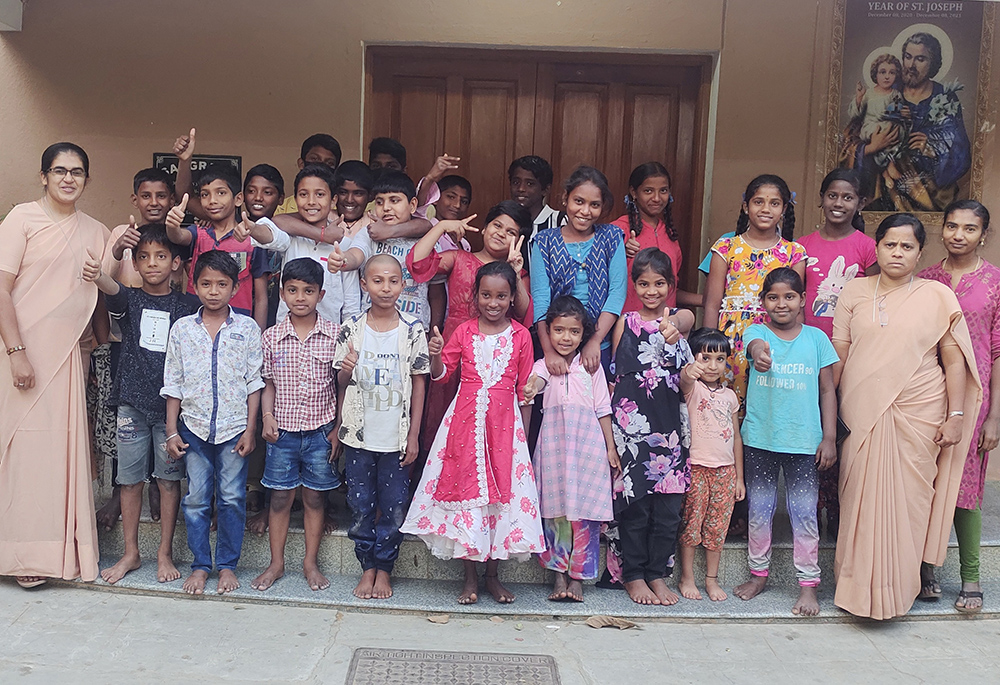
688	588
227	581
470	590
275	570
258	522
329	519
107	516
751	588
317	581
808	604
501	594
255	501
195	583
366	586
640	592
166	572
663	593
558	588
574	590
383	586
127	563
154	499
714	590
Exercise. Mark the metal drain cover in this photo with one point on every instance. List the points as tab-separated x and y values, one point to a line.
420	667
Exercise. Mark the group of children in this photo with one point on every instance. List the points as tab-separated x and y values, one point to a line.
376	294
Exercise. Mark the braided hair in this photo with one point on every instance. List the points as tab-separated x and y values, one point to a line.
847	176
636	179
787	215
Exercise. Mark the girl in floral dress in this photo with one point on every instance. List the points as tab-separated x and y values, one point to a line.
651	434
477	500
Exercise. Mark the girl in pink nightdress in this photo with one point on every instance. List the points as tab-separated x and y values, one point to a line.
477	500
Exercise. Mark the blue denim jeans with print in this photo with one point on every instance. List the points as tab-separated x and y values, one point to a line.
376	483
219	470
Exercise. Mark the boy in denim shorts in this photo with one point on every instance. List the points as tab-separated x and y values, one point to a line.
299	405
144	316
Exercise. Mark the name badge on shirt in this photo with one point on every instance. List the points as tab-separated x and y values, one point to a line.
154	326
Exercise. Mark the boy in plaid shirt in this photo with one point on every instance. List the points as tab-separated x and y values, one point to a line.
299	407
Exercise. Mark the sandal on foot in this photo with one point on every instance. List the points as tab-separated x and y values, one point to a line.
930	590
970	594
28	584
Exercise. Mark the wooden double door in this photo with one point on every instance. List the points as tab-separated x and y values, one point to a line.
489	107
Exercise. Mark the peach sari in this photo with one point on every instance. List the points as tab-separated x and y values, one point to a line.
897	488
47	525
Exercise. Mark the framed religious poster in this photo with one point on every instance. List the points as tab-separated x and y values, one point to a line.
909	97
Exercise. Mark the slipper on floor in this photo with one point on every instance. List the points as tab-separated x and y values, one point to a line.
28	584
969	595
930	591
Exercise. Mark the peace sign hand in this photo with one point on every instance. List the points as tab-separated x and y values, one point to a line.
175	217
514	256
457	228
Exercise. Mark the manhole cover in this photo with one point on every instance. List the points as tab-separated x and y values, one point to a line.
419	667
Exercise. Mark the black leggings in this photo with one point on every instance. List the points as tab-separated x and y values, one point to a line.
647	531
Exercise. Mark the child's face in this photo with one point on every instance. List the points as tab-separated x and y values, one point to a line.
840	203
314	199
885	77
394	208
153	200
566	334
652	196
498	236
526	191
154	263
765	209
583	207
261	198
454	204
66	187
319	155
782	304
493	298
714	364
383	282
384	161
215	289
218	200
300	297
352	200
652	288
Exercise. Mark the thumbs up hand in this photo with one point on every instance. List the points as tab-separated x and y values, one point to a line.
91	267
351	360
127	240
335	262
184	147
244	229
531	388
671	334
632	246
693	371
436	343
175	217
761	352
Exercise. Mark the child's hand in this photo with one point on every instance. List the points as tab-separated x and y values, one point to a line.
436	343
91	267
177	447
531	388
378	230
613	460
269	430
693	371
632	246
184	147
514	256
127	240
442	165
762	356
333	437
335	262
350	360
741	490
175	217
671	334
412	449
243	229
556	365
457	228
826	454
245	444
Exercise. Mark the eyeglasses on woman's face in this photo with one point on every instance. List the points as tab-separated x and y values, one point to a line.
78	173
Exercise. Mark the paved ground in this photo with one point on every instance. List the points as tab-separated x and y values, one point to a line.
73	635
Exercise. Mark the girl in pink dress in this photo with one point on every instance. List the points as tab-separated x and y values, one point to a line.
573	455
476	500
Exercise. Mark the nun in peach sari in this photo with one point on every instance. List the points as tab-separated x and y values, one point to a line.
910	395
47	524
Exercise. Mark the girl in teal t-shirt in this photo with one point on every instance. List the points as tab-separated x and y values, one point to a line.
790	426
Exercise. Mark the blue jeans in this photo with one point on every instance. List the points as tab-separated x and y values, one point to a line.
376	482
214	469
300	459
